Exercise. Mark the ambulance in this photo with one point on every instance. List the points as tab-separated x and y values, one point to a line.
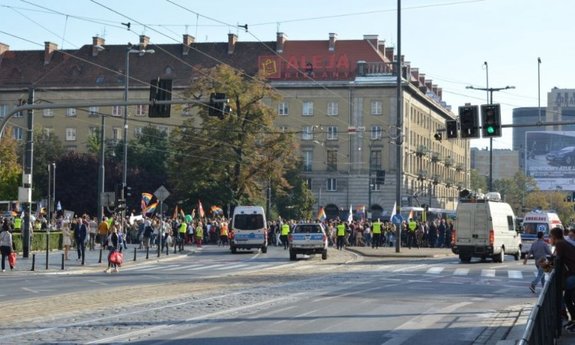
534	222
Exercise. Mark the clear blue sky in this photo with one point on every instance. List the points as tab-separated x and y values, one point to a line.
449	40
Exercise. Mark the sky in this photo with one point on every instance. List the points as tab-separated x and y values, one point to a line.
448	40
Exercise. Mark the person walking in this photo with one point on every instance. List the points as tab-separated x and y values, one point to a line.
340	235
80	234
92	230
412	239
66	238
103	229
376	230
6	244
199	234
565	252
224	233
112	242
540	250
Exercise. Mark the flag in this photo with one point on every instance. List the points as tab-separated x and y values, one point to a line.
216	210
150	208
350	215
200	209
321	214
410	214
393	212
59	207
146	198
175	216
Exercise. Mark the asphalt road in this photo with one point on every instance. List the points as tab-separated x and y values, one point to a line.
214	297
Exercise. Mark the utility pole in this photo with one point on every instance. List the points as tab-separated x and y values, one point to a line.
25	194
399	139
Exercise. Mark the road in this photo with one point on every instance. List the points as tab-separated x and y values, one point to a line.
214	297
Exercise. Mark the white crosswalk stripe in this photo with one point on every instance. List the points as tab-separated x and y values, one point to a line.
435	270
515	274
205	267
488	273
232	267
154	268
461	272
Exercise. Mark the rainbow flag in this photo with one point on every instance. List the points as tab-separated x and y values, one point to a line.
321	214
200	209
150	208
147	197
216	210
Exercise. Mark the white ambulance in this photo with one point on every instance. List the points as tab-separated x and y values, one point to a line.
534	222
249	229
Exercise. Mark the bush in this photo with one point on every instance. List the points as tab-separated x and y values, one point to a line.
38	240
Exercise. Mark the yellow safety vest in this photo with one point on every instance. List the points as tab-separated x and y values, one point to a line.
37	226
285	229
17	224
341	229
412	225
183	228
377	228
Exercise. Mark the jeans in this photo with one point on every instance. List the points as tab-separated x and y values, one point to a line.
81	248
569	296
540	277
5	252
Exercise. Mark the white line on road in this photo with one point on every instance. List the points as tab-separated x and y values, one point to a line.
29	290
515	274
435	270
98	282
204	267
461	272
294	317
232	267
487	273
409	268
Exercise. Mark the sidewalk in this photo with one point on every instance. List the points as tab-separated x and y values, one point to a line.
95	260
389	252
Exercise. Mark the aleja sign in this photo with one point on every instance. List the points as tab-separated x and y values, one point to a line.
325	67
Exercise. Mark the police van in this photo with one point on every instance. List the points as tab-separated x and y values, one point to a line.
485	228
534	222
248	229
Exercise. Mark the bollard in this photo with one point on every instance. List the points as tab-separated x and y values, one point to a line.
147	253
62	262
135	253
159	249
100	258
33	262
175	245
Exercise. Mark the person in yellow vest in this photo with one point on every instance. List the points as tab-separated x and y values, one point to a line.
340	233
376	230
17	224
199	234
182	229
103	228
224	233
284	234
412	227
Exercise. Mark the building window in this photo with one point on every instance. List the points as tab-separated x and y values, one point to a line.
47	112
18	133
283	108
332	108
331	185
376	107
307	133
70	134
3	110
117	110
374	186
331	160
307	160
307	108
375	160
138	132
117	133
93	111
71	112
141	109
332	133
376	132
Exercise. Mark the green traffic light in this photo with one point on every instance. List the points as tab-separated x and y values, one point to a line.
491	130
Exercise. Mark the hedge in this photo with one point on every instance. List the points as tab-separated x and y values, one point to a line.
38	240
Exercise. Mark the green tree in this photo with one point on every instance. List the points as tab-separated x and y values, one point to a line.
10	169
515	190
551	201
477	181
47	149
296	202
230	160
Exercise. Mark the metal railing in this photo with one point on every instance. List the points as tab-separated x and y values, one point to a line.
544	323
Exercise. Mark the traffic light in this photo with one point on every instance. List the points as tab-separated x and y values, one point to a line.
469	121
380	177
160	90
219	105
491	120
451	129
127	192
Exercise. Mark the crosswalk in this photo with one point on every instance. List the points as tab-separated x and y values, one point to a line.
485	273
199	267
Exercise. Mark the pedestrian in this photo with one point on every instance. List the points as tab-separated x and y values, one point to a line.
540	250
441	233
224	234
103	229
6	244
284	234
80	235
93	231
199	234
565	252
66	238
112	242
432	237
340	235
412	239
376	230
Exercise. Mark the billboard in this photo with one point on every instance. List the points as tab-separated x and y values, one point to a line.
550	159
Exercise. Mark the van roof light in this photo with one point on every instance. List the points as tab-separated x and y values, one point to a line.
493	196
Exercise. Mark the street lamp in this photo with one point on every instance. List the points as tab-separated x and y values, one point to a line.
140	52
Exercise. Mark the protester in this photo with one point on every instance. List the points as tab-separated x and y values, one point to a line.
6	244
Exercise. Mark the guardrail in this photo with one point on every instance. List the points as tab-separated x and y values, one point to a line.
544	323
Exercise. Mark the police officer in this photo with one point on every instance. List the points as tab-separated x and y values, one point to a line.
376	230
17	224
340	235
412	226
284	235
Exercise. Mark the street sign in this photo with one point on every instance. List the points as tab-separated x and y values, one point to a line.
397	219
108	199
162	193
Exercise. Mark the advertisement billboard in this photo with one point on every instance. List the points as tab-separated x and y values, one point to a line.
550	159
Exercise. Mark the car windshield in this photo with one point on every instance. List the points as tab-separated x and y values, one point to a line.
311	228
534	228
566	150
248	222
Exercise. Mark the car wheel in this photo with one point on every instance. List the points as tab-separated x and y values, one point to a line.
264	249
516	256
292	255
324	254
465	259
499	257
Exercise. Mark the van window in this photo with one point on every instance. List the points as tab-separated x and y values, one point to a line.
534	228
510	223
307	228
248	221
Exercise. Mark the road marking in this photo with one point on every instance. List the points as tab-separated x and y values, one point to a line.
232	267
461	272
174	268
146	269
488	273
410	268
29	290
435	270
204	267
294	317
98	282
515	274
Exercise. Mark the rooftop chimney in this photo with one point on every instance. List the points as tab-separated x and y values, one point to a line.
332	38
280	41
372	39
97	45
232	39
144	41
49	49
415	73
187	42
3	48
389	53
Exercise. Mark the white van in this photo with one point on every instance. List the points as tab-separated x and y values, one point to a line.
534	222
485	227
248	229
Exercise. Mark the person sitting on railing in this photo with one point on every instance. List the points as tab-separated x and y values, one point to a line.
565	253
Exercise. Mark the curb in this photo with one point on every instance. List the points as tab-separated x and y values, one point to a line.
397	255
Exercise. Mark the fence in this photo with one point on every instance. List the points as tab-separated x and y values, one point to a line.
544	323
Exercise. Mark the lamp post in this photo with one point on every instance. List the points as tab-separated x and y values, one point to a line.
539	87
140	52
